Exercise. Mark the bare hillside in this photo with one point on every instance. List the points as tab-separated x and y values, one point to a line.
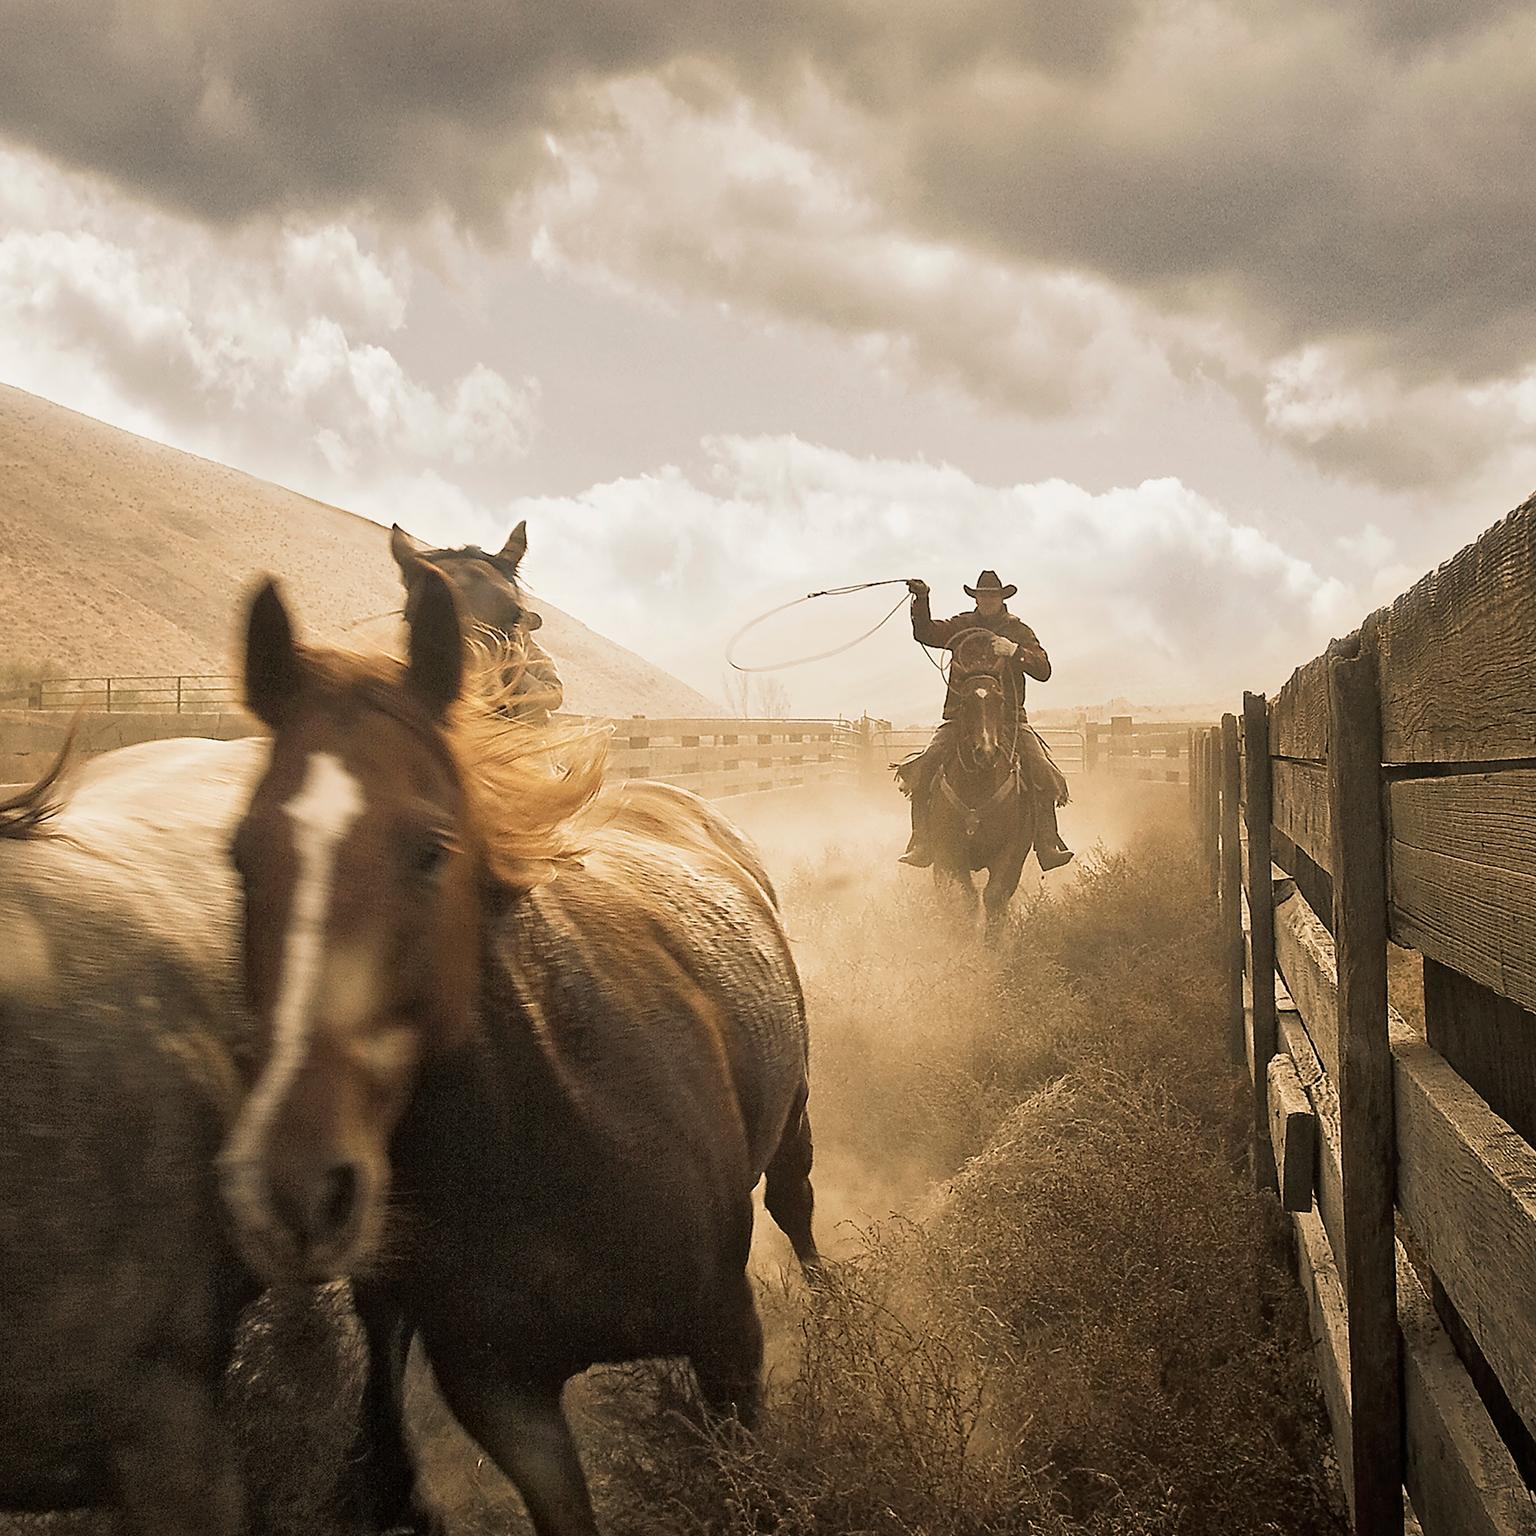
119	556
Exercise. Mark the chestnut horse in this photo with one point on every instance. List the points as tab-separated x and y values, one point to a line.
529	1048
980	813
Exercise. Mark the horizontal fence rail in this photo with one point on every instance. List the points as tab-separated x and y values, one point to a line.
718	756
1387	796
151	693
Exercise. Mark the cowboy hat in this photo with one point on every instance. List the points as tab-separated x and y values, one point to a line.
988	582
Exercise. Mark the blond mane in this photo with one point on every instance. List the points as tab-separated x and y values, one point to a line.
526	785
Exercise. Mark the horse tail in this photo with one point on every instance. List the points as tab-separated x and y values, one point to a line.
26	815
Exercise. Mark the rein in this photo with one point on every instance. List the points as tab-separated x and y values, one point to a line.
1011	784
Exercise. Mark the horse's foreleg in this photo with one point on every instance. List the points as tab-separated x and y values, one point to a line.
788	1194
383	1490
175	1465
1002	883
522	1428
958	884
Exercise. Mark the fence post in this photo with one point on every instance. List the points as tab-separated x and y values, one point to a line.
34	695
178	694
1191	772
1231	885
1213	810
1366	1126
109	695
1120	742
1261	925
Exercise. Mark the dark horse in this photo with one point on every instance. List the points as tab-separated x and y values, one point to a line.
981	811
121	1028
529	1047
495	612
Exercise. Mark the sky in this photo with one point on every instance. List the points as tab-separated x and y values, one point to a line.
1211	324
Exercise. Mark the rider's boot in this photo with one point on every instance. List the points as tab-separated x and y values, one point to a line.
1052	852
918	854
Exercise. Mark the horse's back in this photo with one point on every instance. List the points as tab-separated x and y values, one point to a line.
119	1018
679	818
662	965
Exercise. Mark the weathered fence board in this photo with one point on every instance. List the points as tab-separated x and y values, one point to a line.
1324	1290
1305	953
1458	652
1461	1478
1328	1180
1463	875
1292	1134
1467	1186
1490	1041
1298	716
1300	809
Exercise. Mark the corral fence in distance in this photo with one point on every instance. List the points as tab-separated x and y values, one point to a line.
1387	794
720	756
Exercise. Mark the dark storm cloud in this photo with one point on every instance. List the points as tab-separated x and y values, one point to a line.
260	106
1356	174
1297	177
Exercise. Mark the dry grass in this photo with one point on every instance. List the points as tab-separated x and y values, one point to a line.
1057	1306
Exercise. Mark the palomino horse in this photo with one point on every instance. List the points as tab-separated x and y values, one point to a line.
981	816
499	620
529	1049
121	1028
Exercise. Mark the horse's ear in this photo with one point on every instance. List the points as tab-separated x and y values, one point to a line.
515	548
407	552
274	668
435	672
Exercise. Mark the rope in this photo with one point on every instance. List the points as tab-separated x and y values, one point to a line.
837	650
358	623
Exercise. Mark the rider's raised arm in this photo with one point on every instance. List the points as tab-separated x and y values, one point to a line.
926	629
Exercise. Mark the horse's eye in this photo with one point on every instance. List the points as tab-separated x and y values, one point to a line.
431	854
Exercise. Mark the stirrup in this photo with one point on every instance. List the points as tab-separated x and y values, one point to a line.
1054	858
918	858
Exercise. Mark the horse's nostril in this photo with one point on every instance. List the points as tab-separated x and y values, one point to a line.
335	1202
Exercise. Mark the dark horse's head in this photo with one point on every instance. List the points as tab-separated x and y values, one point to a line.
976	678
486	585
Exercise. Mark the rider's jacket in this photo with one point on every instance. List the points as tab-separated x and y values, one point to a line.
1030	662
537	691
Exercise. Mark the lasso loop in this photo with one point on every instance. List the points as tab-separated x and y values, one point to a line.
801	661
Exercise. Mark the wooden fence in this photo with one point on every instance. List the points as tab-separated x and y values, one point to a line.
1388	794
1126	748
734	757
165	693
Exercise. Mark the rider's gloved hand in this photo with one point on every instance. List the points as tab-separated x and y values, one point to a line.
1003	646
917	588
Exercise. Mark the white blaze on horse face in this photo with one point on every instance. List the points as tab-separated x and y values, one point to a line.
326	805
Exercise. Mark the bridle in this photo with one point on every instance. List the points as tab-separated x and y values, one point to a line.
1011	783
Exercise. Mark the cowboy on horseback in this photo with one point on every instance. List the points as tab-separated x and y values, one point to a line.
1018	652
